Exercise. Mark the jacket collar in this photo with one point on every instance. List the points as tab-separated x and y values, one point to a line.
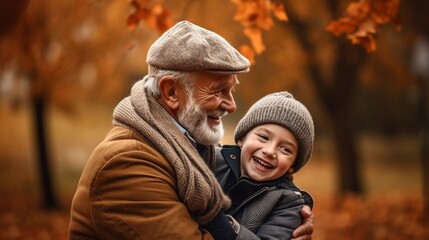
231	155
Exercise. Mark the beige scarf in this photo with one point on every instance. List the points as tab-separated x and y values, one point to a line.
197	186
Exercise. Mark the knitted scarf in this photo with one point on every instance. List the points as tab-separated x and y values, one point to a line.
197	186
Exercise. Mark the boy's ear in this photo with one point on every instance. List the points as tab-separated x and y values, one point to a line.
168	93
290	170
240	142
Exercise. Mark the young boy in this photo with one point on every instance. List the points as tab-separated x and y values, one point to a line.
274	140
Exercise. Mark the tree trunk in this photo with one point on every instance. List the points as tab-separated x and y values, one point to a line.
39	105
424	144
418	8
340	104
337	98
348	168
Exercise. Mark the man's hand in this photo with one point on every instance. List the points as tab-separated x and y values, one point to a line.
305	230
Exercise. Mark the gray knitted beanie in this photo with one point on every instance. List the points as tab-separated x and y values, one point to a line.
283	109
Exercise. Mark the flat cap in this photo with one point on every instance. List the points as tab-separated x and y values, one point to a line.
188	47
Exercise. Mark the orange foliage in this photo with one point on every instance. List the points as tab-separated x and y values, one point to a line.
360	22
362	19
154	15
255	16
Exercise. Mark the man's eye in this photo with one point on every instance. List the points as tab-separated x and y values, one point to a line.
217	93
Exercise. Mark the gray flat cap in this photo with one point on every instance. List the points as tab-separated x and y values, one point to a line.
188	47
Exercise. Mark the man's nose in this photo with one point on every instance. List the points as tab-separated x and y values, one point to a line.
228	103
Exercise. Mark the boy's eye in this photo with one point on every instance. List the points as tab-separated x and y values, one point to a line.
262	137
285	149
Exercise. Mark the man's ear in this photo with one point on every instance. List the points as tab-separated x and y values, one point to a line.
168	93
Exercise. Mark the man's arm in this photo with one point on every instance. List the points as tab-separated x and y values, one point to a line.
305	230
135	196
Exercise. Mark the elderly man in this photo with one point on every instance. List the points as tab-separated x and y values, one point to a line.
151	177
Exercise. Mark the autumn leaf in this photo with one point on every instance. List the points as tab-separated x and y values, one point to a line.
367	42
387	11
154	15
279	12
132	21
256	16
362	20
255	36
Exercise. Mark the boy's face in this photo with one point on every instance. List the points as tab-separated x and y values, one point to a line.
267	152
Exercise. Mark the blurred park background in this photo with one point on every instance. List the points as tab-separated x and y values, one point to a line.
64	65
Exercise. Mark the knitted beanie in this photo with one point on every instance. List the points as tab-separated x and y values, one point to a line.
283	109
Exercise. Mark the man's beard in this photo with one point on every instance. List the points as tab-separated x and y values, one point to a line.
195	121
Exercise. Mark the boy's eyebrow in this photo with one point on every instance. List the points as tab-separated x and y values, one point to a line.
272	132
260	128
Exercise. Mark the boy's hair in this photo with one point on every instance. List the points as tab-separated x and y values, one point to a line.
283	109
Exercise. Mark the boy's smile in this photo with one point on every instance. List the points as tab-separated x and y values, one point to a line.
268	152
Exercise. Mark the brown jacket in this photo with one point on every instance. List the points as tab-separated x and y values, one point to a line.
128	190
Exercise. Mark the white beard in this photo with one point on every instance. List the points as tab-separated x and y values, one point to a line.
195	121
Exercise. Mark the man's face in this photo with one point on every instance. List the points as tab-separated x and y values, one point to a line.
211	99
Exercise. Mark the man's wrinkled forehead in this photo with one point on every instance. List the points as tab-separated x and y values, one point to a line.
216	79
